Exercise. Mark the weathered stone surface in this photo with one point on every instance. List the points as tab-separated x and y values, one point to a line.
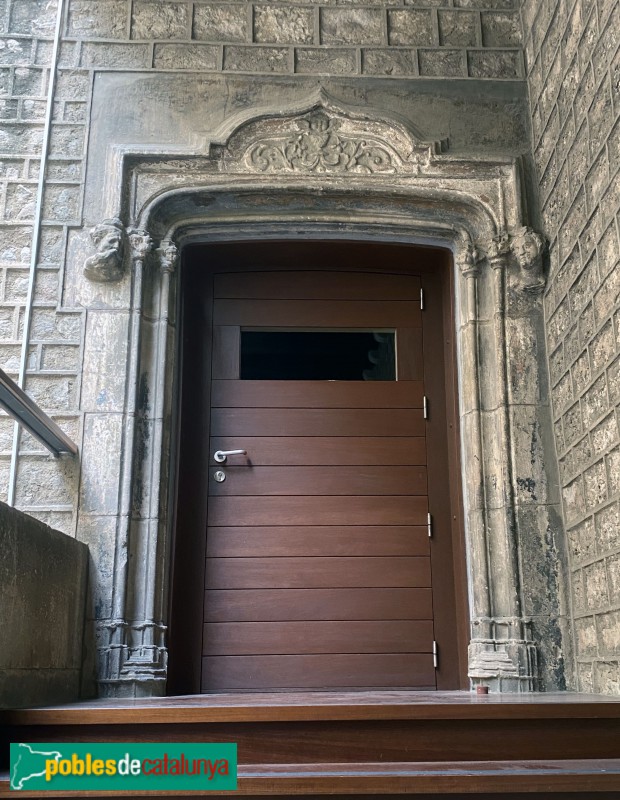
99	534
283	25
411	27
442	63
17	138
352	26
585	630
15	51
106	19
220	22
389	62
502	29
28	81
42	593
495	64
606	677
581	539
99	488
64	358
103	381
67	140
44	482
325	61
256	59
33	17
160	20
613	570
48	325
98	54
485	3
72	84
61	203
595	577
186	56
458	28
605	435
20	201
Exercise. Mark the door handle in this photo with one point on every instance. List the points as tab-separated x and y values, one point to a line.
221	455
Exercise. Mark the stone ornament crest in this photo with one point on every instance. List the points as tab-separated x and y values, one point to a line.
318	145
328	138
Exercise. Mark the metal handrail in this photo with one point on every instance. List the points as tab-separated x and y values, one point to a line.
28	414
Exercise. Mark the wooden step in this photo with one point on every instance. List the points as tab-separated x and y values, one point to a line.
439	744
508	778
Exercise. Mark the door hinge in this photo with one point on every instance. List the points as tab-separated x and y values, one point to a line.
435	659
429	525
421	299
425	407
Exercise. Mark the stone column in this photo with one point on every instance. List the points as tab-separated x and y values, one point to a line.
501	654
467	259
145	667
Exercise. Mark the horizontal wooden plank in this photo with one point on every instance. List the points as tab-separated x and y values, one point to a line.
250	605
317	422
221	673
317	394
329	540
323	451
317	510
356	480
363	314
325	636
317	285
308	573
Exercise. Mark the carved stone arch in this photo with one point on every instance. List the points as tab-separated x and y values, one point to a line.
326	170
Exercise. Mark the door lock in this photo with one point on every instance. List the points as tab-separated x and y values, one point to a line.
219	475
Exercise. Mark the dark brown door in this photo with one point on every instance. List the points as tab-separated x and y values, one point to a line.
318	569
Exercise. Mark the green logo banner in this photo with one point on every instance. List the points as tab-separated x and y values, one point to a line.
108	767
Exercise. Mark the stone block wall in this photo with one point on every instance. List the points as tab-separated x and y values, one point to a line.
572	50
42	597
46	488
438	38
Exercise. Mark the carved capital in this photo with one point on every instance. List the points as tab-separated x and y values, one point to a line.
168	254
107	263
140	243
528	247
468	257
498	251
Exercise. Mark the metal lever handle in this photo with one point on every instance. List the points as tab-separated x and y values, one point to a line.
221	455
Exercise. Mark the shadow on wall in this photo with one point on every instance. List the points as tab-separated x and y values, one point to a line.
43	578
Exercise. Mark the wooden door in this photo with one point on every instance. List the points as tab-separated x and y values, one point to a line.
318	569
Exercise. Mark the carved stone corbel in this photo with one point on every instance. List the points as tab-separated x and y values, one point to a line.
107	263
528	247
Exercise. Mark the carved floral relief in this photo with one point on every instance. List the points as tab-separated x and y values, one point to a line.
319	145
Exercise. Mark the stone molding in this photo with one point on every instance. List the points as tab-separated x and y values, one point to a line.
307	171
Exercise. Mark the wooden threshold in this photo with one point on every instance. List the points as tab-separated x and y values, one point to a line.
321	706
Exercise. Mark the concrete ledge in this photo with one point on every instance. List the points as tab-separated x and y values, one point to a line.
42	595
